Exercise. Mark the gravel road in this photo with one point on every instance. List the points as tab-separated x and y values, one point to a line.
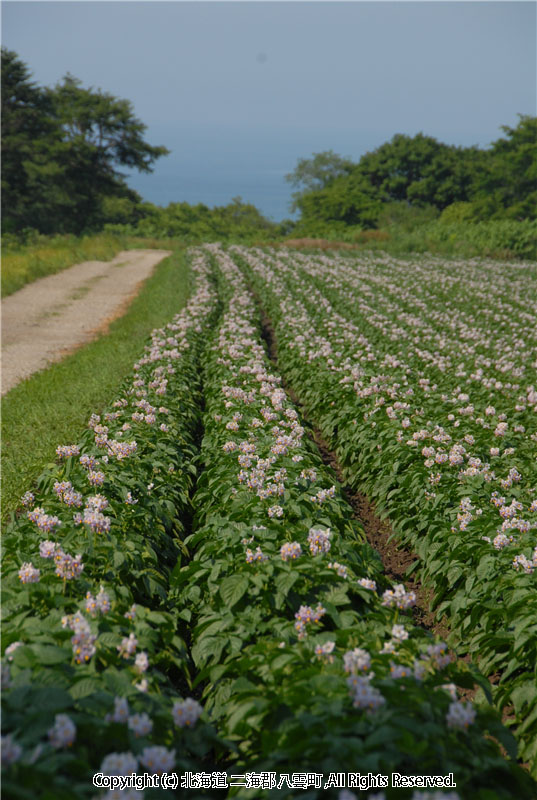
47	319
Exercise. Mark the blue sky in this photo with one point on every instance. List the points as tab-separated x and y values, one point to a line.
239	91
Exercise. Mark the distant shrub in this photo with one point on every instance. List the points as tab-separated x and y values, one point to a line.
194	224
500	238
406	216
458	212
503	239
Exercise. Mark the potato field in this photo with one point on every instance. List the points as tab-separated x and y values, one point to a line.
190	596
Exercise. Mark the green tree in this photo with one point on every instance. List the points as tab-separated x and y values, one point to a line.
61	151
31	140
99	132
348	199
318	172
420	170
417	172
105	124
506	184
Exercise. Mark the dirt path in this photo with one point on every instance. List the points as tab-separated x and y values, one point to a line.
47	319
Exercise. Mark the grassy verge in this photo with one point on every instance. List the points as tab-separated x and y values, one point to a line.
22	264
53	406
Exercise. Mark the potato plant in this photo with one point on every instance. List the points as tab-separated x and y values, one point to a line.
186	591
423	378
94	668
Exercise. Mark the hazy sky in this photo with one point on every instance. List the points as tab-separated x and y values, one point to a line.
240	90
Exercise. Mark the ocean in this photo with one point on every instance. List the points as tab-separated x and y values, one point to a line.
213	163
191	183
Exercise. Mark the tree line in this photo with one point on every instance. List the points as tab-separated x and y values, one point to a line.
420	176
62	149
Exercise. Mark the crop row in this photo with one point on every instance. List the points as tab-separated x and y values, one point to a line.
421	378
146	578
306	655
93	674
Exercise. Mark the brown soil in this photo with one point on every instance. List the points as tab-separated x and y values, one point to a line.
52	317
306	243
320	244
380	535
328	244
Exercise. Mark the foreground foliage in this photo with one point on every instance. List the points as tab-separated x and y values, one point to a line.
54	404
423	378
93	665
251	630
286	595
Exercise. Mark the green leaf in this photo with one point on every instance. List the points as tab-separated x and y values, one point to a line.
486	567
239	713
523	694
84	688
51	699
208	647
285	581
233	588
50	654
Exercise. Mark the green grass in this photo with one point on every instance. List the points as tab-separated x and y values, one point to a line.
54	405
22	264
